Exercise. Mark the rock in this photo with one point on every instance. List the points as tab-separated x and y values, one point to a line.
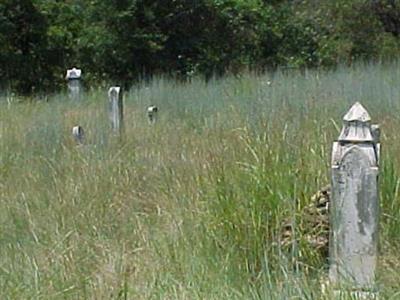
313	224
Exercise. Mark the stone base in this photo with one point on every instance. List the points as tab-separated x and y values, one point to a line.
334	293
355	295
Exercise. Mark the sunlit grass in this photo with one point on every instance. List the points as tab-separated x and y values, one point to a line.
190	207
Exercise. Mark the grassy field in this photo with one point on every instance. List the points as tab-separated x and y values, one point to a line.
192	206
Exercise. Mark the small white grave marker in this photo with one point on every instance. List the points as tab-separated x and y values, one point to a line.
355	204
78	134
74	83
152	113
116	109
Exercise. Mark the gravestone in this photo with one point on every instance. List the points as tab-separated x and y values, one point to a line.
116	109
354	211
152	113
74	83
78	134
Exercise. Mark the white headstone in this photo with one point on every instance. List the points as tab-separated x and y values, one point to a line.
152	113
74	85
78	134
116	111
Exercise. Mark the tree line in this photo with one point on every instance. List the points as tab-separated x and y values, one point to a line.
126	40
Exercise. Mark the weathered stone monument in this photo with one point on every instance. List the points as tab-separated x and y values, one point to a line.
74	83
354	211
116	109
78	134
152	113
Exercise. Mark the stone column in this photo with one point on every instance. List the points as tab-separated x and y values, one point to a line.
116	109
74	83
354	211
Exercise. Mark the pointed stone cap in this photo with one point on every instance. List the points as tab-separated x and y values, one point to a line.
356	125
114	92
357	113
74	73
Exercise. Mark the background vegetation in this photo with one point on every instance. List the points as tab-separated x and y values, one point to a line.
192	206
124	40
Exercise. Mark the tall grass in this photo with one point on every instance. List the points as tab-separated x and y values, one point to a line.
192	206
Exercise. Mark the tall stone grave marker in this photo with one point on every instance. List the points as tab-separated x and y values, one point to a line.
116	109
354	211
74	83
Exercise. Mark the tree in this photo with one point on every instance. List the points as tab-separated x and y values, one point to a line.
23	44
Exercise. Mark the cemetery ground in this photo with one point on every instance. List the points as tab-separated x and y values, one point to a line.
191	206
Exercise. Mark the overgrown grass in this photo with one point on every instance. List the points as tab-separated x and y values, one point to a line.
190	207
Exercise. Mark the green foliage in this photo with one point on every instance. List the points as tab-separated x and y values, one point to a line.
23	44
125	40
